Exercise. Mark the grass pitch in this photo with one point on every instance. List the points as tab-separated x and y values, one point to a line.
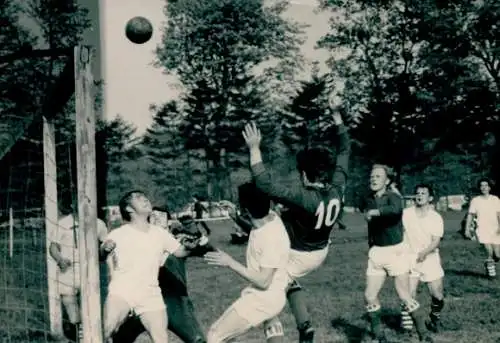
471	313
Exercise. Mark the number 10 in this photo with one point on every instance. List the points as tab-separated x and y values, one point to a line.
332	212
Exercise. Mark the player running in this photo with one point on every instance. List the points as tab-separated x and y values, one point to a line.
388	255
137	251
486	209
312	209
423	230
267	256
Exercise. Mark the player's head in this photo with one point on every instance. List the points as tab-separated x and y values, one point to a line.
135	204
485	186
252	200
315	165
424	194
381	177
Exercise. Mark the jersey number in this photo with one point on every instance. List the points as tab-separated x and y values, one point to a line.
327	216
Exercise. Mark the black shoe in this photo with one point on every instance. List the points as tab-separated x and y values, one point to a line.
306	336
427	339
496	258
432	325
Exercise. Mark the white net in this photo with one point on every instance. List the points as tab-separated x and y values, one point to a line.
37	184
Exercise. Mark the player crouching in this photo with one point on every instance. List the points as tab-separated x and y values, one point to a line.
137	251
266	260
423	230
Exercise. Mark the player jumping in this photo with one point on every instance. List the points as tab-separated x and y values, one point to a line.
388	254
486	209
137	251
312	209
423	230
266	261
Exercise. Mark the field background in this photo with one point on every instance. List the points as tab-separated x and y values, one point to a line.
472	312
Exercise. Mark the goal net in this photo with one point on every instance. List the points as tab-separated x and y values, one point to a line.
47	168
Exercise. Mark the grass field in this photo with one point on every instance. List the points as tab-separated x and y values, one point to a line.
471	314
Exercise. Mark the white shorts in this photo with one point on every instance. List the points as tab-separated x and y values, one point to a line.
427	271
148	300
301	263
488	235
389	260
258	306
68	283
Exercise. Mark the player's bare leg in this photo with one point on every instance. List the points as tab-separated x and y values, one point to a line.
228	326
402	285
116	311
72	308
437	304
298	305
489	263
156	324
374	284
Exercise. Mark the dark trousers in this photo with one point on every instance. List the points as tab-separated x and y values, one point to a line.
182	320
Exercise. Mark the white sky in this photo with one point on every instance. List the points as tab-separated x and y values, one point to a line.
132	84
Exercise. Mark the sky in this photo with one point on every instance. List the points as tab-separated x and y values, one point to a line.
132	83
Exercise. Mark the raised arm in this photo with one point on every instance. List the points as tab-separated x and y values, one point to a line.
343	153
263	178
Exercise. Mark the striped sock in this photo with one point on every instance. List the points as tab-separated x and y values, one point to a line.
406	320
491	271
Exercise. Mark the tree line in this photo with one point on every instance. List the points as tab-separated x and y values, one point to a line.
417	82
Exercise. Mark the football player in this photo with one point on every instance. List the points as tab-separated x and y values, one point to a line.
486	210
137	250
423	230
312	209
388	255
266	261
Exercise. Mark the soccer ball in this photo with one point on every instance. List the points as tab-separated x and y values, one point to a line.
139	30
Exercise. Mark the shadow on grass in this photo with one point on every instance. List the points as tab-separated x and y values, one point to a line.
469	273
354	333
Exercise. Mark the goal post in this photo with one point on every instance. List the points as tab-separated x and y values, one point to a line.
87	195
85	119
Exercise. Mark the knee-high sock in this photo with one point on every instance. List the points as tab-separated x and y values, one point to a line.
417	314
436	307
406	320
489	264
374	314
297	303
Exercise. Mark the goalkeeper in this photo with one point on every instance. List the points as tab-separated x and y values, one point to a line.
173	283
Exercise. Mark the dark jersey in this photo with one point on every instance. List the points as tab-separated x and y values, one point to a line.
386	229
311	212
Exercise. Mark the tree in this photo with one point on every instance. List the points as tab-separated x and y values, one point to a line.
214	48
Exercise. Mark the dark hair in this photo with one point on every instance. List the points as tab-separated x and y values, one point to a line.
426	186
255	201
317	163
125	202
484	179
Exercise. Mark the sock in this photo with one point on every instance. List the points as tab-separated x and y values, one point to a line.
297	302
417	314
436	307
406	320
491	271
274	332
79	332
374	314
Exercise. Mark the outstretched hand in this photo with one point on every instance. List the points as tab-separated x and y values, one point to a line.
218	258
252	136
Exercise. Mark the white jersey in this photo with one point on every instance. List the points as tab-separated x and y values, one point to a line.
419	230
486	210
269	247
67	236
138	255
